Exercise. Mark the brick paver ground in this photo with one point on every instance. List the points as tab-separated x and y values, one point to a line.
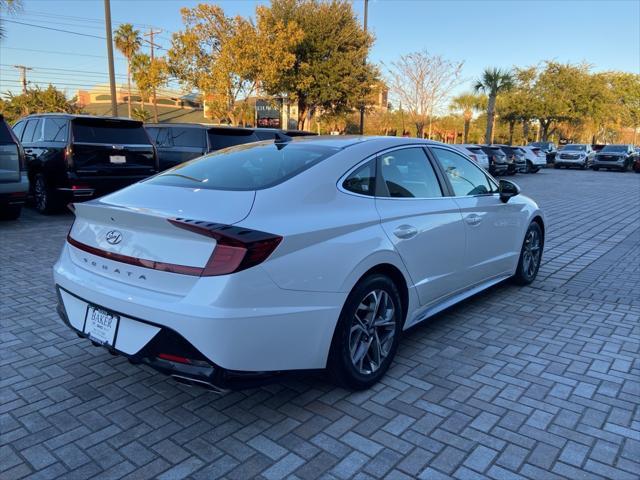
538	382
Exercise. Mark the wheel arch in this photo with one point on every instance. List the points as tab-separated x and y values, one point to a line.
397	277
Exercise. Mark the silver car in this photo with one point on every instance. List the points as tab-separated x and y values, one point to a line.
576	155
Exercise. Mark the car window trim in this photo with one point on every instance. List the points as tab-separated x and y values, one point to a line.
381	186
490	179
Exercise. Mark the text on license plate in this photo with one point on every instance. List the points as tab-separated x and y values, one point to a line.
101	325
117	159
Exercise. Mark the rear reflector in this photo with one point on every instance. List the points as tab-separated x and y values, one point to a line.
173	358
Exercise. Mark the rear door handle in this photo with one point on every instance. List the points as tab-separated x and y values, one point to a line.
405	232
473	219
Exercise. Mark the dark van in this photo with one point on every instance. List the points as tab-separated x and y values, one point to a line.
75	157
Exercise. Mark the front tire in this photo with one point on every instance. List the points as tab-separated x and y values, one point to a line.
367	334
530	255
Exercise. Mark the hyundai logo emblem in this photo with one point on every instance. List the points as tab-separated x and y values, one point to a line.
114	237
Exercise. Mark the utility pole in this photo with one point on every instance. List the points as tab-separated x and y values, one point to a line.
23	76
366	11
151	33
112	77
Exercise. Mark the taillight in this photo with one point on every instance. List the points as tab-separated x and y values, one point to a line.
68	156
237	248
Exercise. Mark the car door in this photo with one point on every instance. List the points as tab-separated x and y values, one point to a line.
493	228
424	225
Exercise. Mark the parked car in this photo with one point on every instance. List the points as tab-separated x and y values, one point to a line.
549	148
178	142
14	183
618	157
498	164
518	156
291	255
636	164
535	157
578	155
476	154
596	147
75	157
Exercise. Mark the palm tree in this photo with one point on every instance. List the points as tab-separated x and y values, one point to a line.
127	40
468	103
493	82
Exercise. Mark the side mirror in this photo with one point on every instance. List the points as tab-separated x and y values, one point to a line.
507	189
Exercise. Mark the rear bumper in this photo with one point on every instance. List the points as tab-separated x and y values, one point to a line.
14	193
242	322
79	187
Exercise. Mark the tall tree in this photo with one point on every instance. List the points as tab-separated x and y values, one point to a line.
149	75
493	82
128	41
467	103
329	74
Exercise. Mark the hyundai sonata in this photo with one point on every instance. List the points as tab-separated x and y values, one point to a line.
312	253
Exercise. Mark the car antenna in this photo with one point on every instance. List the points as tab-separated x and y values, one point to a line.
281	140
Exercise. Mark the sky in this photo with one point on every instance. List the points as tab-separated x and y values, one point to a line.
503	33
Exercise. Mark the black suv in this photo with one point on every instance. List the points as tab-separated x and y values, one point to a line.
14	184
615	157
75	157
498	163
178	142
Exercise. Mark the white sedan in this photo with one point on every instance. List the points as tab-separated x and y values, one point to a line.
312	253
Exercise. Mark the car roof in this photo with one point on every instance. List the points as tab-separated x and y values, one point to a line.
203	126
379	142
77	115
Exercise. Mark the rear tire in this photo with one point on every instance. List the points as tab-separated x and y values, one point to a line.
367	334
530	255
43	195
11	212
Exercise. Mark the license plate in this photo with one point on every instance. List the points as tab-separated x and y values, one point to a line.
101	325
118	159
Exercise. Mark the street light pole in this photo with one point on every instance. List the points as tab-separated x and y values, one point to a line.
112	77
366	11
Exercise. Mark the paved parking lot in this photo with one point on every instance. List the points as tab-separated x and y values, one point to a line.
539	382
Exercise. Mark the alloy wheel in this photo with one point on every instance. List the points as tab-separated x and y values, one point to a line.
531	253
372	332
40	194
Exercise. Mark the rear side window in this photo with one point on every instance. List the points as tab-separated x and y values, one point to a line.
246	167
186	137
228	137
363	180
32	131
113	132
55	130
5	134
465	177
18	129
407	173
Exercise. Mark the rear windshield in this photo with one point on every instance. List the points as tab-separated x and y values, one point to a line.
5	135
116	132
615	148
580	148
475	150
246	167
230	137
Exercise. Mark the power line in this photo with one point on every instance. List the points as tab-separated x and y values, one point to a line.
75	72
54	29
85	19
54	52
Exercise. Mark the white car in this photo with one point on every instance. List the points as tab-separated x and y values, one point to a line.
535	157
310	253
580	155
476	153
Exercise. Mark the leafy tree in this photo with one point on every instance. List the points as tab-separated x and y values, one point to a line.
128	41
37	100
8	6
329	74
149	75
493	82
226	58
467	103
141	114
